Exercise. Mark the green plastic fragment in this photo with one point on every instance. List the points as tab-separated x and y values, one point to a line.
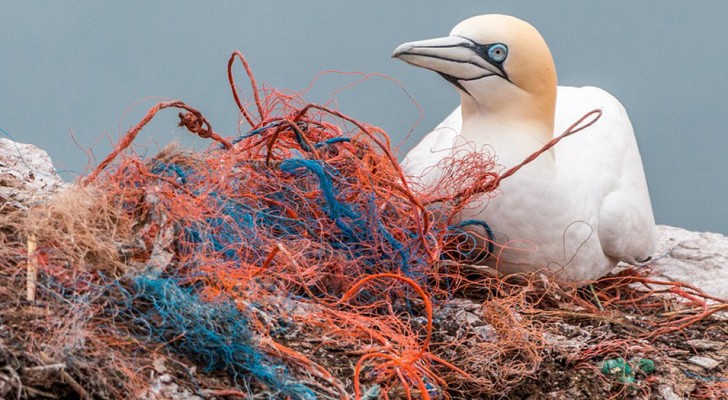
646	365
623	371
619	368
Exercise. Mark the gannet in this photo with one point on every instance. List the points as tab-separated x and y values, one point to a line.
579	208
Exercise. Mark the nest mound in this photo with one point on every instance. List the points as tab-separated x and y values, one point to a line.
296	262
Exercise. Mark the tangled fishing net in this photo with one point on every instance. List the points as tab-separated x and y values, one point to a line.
295	262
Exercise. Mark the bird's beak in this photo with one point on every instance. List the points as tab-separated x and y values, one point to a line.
455	58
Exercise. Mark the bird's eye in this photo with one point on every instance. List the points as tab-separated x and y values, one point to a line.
498	52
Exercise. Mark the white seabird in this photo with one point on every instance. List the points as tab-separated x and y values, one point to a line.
578	209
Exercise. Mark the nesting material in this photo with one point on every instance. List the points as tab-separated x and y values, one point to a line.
294	261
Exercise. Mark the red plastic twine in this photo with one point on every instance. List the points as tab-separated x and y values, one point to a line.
193	120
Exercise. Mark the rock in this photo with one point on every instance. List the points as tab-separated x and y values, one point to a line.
703	344
163	388
486	333
667	393
465	304
467	318
26	174
697	258
159	366
562	342
704	362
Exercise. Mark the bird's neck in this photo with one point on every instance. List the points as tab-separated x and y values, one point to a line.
513	131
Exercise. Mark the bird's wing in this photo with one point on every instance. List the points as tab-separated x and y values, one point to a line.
420	164
605	162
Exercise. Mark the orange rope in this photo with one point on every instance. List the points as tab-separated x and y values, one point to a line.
237	54
192	120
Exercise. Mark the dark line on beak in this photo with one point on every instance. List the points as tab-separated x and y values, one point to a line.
455	81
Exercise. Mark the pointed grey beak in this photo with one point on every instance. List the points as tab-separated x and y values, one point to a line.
455	58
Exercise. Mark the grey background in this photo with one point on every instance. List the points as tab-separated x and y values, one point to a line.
74	76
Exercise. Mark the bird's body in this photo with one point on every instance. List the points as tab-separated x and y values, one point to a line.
577	209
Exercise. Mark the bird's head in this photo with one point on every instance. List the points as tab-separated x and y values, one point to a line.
499	64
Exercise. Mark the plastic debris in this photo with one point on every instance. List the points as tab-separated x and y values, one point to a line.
625	371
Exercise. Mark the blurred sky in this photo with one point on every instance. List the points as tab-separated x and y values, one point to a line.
76	75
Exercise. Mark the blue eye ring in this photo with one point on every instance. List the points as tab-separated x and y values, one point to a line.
498	52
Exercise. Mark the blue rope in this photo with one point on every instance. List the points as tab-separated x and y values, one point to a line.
332	141
212	334
162	169
358	236
254	132
482	224
692	375
335	209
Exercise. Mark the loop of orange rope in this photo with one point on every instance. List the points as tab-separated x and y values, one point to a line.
253	84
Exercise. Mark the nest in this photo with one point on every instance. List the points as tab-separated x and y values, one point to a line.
296	262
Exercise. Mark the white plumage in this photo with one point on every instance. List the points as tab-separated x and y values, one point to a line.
576	210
